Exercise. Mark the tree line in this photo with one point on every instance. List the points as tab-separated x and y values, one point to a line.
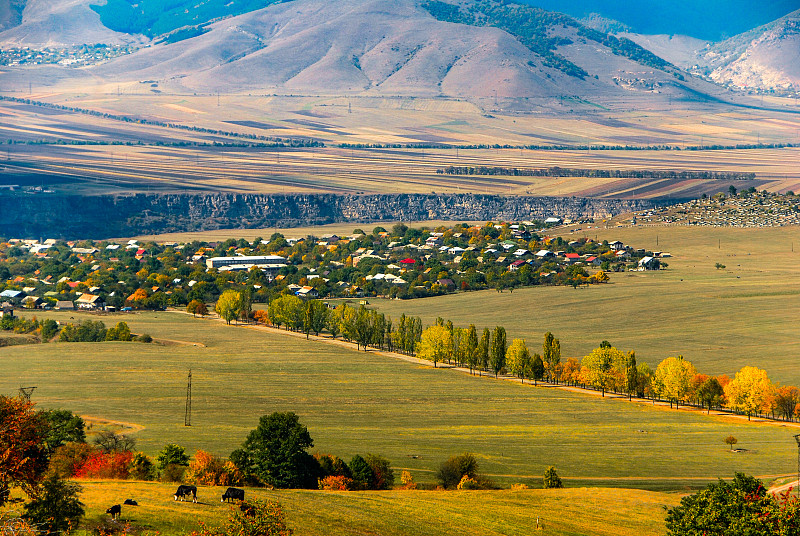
556	171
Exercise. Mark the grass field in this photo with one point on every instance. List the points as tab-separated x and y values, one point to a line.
720	320
613	512
355	402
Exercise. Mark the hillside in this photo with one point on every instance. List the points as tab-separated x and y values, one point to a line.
366	47
767	57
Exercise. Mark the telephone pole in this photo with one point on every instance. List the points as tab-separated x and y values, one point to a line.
187	417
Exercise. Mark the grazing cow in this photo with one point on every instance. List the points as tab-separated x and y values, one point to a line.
185	491
234	494
131	502
114	511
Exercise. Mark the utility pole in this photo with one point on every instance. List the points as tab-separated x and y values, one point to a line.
187	417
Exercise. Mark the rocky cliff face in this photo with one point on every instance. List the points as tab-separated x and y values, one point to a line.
99	217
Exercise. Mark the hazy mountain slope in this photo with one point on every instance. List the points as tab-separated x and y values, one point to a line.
767	57
680	50
370	46
10	13
60	23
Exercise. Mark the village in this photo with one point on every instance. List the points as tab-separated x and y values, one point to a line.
399	263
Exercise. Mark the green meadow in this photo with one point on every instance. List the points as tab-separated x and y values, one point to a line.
613	512
358	402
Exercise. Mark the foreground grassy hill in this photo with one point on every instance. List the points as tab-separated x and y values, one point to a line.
614	512
358	402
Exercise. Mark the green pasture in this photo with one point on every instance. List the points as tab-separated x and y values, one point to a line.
719	319
358	402
613	512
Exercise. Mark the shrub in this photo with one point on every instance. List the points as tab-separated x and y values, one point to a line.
363	477
518	487
172	454
382	474
144	338
253	518
141	467
68	459
56	509
110	441
86	331
332	466
468	483
551	478
407	481
209	470
120	332
336	483
111	465
455	468
173	473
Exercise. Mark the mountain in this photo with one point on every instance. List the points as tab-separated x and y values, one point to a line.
710	20
371	47
766	58
55	23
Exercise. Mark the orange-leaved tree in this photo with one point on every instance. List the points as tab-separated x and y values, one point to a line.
23	451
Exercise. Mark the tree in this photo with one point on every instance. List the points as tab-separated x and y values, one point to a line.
120	332
316	317
518	359
750	391
110	441
383	476
228	305
172	454
434	344
551	354
456	467
56	508
551	478
363	477
730	441
483	349
631	375
472	347
673	379
197	307
597	368
63	427
49	329
710	393
786	400
23	447
497	355
537	367
738	508
275	453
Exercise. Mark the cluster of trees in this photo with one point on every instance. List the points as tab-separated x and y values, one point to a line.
676	380
604	173
95	331
741	507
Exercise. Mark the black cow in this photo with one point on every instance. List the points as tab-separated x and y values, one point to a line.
234	494
114	511
185	491
131	502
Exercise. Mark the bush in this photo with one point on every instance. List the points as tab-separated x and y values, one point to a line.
172	454
407	481
455	468
141	467
253	518
68	459
551	478
173	473
111	465
86	331
363	477
336	483
56	509
209	470
382	474
145	338
110	441
120	332
468	483
332	466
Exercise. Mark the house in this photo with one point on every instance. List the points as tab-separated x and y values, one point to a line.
521	252
545	254
616	245
593	260
446	283
90	301
649	263
307	292
12	295
621	254
572	257
65	305
552	221
516	265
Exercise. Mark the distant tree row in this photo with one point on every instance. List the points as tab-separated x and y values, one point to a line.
602	173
